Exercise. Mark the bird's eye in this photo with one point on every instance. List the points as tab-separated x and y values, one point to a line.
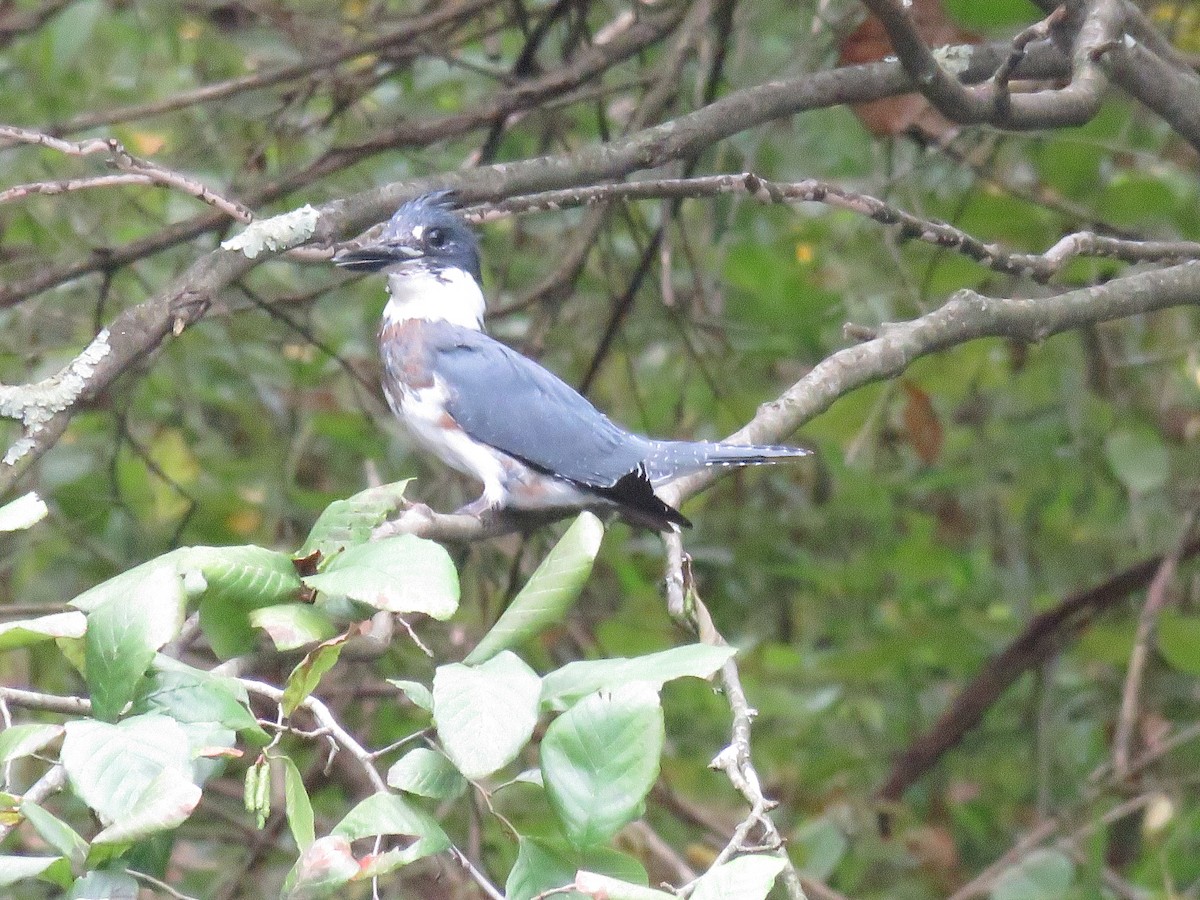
435	238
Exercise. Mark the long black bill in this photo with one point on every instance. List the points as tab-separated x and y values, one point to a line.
374	257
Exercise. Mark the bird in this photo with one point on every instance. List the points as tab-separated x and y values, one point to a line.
531	440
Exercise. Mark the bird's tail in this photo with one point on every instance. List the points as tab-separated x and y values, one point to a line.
674	459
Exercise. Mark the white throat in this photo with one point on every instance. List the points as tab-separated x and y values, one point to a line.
450	295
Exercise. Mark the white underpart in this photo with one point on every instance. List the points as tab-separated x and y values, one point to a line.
451	295
422	412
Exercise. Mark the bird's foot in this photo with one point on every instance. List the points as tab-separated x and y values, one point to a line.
415	518
482	508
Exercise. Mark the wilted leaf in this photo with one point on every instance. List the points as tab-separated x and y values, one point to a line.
292	625
309	671
321	870
382	814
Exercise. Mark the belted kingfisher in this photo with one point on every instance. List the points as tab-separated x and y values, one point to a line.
486	410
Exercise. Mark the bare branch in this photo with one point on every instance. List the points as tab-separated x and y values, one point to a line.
122	159
649	148
1041	267
70	706
966	316
1075	104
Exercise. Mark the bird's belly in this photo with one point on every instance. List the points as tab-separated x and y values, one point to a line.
424	412
527	489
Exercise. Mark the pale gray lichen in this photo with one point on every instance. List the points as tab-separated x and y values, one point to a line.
33	405
954	58
22	513
276	233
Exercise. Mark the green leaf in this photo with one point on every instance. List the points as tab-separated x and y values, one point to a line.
345	523
426	773
190	695
123	636
543	865
390	814
593	884
419	695
323	869
292	625
24	512
166	802
57	833
230	581
44	628
744	878
17	741
599	760
71	31
19	868
818	846
125	584
401	574
297	805
239	580
111	767
549	592
104	886
1138	459
485	714
1179	641
1042	875
309	671
993	14
574	680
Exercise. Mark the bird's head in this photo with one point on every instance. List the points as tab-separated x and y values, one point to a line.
425	235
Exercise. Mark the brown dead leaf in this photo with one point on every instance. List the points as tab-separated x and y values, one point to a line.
909	114
921	424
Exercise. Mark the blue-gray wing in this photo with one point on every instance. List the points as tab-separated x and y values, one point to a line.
509	402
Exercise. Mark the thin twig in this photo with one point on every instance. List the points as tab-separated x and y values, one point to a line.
122	159
736	759
53	781
71	706
1156	600
1040	267
157	884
